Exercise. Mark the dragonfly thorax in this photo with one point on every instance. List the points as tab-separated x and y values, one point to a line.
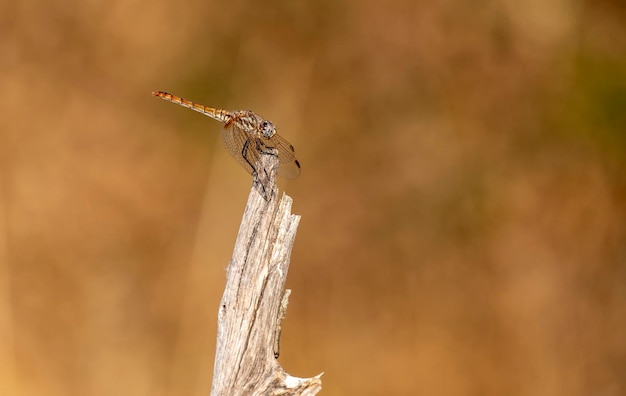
253	123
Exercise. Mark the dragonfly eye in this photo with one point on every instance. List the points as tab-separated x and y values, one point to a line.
267	129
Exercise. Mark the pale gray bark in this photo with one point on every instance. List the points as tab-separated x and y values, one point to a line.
255	299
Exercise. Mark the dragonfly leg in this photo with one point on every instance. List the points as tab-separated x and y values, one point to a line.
262	178
244	153
262	148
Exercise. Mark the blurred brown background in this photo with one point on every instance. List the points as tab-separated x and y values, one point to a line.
463	193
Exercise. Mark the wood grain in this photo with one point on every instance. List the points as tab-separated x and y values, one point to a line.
255	300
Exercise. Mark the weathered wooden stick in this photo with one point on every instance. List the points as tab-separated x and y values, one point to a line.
254	300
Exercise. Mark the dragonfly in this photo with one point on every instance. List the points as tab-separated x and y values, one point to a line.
246	136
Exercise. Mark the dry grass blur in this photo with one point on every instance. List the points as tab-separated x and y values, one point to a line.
463	192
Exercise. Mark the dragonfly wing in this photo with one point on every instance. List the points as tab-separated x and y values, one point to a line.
241	147
288	167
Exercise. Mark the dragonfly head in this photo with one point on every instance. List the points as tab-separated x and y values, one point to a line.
267	129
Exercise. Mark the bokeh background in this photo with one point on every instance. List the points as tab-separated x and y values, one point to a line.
463	193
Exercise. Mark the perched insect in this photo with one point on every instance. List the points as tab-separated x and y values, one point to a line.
246	136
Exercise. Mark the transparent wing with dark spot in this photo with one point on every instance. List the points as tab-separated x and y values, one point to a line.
235	141
288	167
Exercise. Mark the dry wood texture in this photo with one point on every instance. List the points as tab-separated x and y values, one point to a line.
254	300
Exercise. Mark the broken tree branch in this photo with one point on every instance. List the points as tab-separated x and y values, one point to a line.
254	301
